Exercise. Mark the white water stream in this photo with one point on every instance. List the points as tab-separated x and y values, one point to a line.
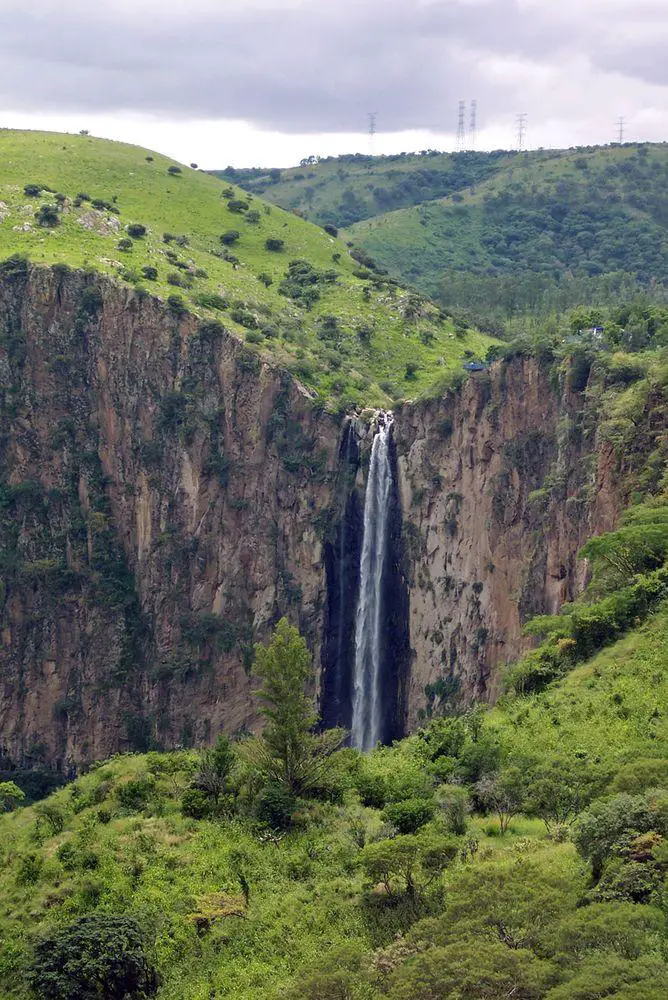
367	695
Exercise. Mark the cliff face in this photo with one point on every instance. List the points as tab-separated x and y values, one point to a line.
161	502
165	497
502	483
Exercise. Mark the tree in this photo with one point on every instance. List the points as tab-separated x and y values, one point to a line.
560	789
288	753
408	816
214	769
389	861
99	956
272	243
503	793
229	237
10	796
47	216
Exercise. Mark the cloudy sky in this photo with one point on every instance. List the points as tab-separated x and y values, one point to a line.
266	82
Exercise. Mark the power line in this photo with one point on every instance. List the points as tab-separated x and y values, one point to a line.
461	133
372	116
620	129
521	130
472	123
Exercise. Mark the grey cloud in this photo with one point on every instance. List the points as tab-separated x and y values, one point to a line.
312	68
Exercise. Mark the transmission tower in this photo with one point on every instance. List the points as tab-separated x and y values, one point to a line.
473	123
521	130
372	115
620	129
461	132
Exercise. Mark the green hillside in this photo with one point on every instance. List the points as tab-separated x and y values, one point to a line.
499	233
283	285
345	189
331	908
539	236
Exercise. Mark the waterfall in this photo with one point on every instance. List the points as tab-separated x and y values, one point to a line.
367	720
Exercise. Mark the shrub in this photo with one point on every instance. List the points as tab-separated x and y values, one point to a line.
196	804
174	170
266	279
32	190
47	216
136	230
411	814
150	273
10	796
275	806
332	230
253	216
230	237
274	244
82	196
176	305
211	301
98	955
125	244
134	795
237	205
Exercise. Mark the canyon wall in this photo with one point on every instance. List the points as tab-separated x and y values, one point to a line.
165	496
162	498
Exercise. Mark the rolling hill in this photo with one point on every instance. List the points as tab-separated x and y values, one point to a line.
290	290
500	233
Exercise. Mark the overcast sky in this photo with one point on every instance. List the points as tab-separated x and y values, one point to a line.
266	82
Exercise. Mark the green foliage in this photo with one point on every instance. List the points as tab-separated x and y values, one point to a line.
288	753
10	796
409	815
99	955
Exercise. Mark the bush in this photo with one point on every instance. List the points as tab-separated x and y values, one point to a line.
176	305
134	795
230	237
237	205
125	244
32	190
411	814
332	230
196	804
150	273
136	230
97	956
47	216
274	244
275	806
173	170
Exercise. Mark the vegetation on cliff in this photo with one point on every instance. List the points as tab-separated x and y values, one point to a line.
289	289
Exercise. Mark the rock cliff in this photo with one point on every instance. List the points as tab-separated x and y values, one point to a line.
165	496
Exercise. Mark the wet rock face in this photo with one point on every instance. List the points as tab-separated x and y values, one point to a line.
165	497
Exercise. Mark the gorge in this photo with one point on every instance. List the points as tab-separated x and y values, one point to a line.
167	495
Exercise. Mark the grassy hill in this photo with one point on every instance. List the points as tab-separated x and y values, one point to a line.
286	287
236	910
499	233
345	189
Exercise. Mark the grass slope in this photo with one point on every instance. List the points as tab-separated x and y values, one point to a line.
333	357
496	232
345	189
308	896
596	219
